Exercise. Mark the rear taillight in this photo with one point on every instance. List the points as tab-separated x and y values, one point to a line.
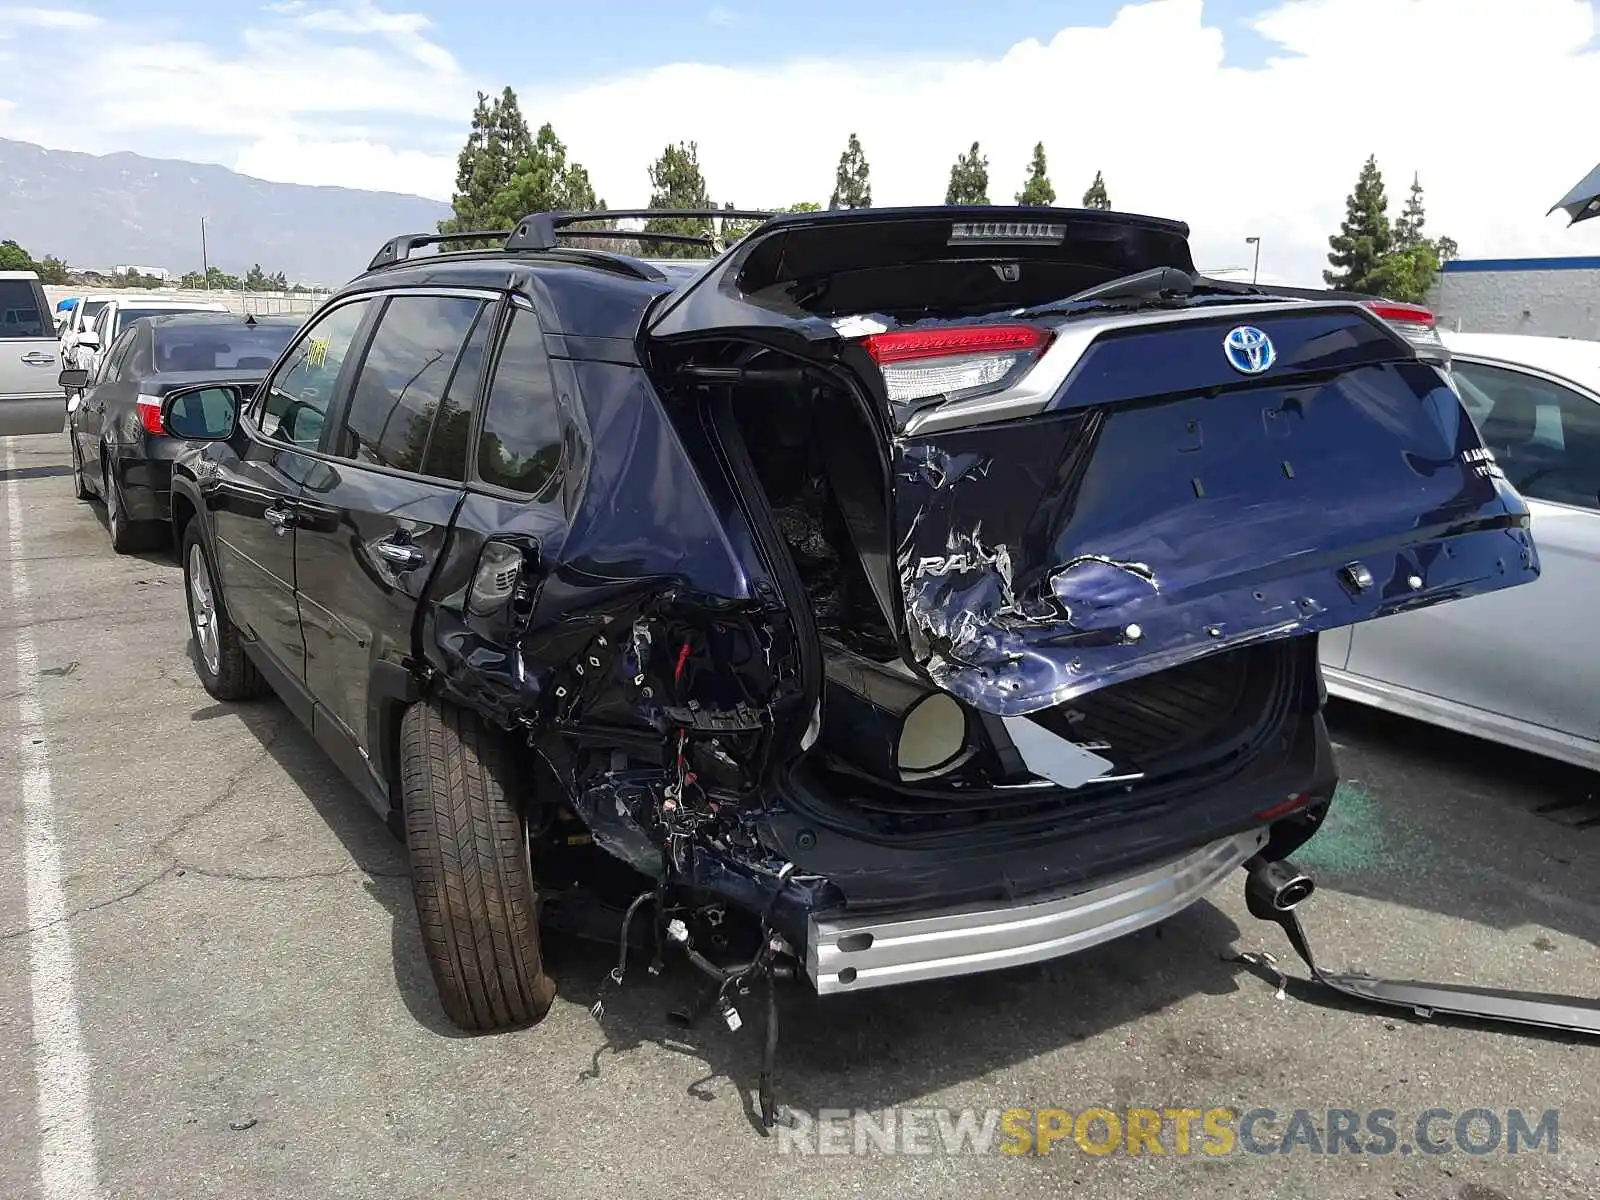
1411	321
149	408
954	363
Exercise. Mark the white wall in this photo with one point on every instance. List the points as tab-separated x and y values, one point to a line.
261	303
1520	297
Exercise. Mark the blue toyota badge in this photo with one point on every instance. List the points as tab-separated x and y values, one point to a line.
1249	351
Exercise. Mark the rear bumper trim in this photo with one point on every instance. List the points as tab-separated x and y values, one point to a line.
936	944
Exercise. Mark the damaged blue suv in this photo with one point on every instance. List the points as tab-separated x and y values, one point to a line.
937	588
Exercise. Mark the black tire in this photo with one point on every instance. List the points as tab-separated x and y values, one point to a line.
476	900
80	486
127	536
227	673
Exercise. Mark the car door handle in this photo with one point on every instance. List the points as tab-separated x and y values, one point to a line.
38	358
399	554
280	517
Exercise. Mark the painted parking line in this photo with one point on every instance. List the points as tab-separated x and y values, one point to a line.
67	1163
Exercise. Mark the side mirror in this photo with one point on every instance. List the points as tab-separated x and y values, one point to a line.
89	339
72	377
202	414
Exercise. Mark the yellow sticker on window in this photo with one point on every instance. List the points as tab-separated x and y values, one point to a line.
316	351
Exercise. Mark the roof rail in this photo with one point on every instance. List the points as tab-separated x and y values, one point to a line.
537	231
398	249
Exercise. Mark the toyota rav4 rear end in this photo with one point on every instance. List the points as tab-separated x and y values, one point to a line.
1056	524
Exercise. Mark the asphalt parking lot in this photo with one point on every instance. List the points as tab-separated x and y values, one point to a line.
211	983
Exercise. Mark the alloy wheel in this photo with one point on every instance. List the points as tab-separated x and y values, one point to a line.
203	609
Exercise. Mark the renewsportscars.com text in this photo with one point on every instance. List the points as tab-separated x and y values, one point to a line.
1173	1132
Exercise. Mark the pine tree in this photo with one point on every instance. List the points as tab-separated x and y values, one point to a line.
498	141
676	182
1408	226
969	179
542	181
1096	196
1364	238
852	188
1036	190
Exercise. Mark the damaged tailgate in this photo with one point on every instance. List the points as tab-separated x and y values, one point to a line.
1063	498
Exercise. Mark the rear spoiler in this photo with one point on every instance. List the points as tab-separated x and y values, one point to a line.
767	280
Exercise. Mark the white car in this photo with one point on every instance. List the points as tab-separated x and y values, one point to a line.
1519	666
113	316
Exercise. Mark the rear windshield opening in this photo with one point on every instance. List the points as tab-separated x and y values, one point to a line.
211	348
912	268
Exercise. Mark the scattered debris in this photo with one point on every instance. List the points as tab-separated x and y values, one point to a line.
240	1124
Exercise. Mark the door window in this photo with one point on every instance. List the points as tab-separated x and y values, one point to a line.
112	362
520	447
449	440
294	401
409	368
1545	437
20	314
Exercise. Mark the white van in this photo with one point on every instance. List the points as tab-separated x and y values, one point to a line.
30	399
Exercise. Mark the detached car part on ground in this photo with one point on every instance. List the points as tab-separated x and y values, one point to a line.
937	586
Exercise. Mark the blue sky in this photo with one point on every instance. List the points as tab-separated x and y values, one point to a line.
1242	117
509	39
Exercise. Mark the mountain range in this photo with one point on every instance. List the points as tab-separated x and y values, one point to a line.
110	210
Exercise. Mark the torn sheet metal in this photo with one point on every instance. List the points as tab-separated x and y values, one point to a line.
1040	560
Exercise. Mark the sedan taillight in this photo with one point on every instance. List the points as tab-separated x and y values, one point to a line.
149	408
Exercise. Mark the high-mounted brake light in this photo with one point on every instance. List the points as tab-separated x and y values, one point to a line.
954	363
1024	233
149	409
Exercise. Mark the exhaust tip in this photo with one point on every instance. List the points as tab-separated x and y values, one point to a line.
1271	888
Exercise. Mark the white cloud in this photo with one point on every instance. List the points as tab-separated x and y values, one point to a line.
1482	98
1485	99
376	166
12	16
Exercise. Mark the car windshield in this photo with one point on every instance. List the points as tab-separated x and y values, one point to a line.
20	315
91	309
219	347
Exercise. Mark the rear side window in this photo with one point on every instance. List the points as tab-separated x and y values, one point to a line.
1546	438
21	313
520	447
407	371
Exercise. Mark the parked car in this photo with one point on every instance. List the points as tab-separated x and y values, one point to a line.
80	319
29	400
936	588
121	451
1517	667
115	315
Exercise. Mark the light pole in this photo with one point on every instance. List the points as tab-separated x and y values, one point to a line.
205	265
1255	270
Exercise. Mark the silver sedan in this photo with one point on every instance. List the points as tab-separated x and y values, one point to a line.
1521	666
